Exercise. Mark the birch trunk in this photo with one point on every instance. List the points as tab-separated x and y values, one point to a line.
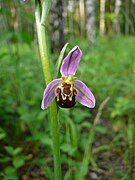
82	17
102	18
116	24
90	21
71	13
57	26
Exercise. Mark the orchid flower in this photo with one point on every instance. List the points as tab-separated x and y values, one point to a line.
68	89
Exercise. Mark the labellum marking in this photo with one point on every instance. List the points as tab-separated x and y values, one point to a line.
65	97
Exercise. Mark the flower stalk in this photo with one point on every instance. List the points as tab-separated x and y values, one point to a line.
41	12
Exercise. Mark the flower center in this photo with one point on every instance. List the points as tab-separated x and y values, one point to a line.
69	80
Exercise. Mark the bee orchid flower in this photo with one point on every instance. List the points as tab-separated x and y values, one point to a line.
68	89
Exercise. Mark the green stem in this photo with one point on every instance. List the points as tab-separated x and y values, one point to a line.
48	78
88	154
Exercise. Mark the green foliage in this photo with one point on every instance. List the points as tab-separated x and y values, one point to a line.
15	158
10	172
2	134
25	129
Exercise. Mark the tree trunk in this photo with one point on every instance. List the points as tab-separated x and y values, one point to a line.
71	7
102	18
116	25
57	26
126	16
82	17
90	21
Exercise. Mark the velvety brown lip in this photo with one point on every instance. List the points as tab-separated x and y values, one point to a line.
67	99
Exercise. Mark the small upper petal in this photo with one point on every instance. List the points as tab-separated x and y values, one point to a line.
71	62
49	93
84	96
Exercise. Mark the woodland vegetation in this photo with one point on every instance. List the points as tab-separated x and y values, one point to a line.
99	142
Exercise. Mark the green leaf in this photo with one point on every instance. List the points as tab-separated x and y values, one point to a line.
82	114
48	172
46	5
101	129
4	159
60	59
10	150
13	152
86	124
43	138
73	133
67	148
10	173
18	150
18	162
2	134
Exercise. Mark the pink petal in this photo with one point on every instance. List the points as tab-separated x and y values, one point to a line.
84	96
71	62
49	93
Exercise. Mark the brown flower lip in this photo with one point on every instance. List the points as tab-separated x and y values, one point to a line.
65	97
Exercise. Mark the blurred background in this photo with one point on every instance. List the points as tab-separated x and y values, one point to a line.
105	136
